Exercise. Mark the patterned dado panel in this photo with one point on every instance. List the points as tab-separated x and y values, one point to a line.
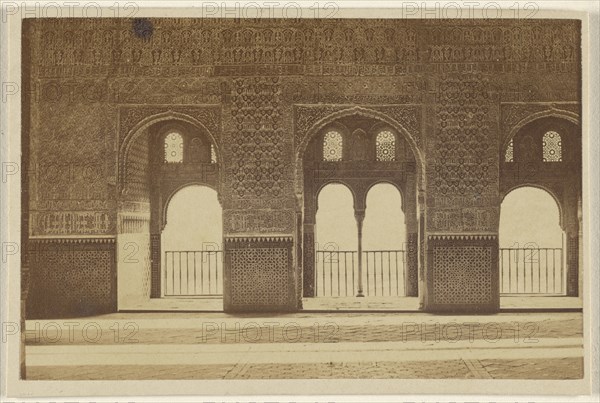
462	273
259	274
71	277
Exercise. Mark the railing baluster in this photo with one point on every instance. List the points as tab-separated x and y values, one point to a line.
531	261
554	271
516	280
562	272
216	274
397	280
165	291
381	263
316	273
367	270
338	274
324	273
211	273
195	275
187	273
345	275
509	271
173	274
524	270
353	279
389	274
546	266
331	274
539	272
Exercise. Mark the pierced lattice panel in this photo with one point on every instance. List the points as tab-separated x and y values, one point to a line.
71	278
463	270
259	273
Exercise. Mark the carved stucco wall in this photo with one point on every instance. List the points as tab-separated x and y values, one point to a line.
258	87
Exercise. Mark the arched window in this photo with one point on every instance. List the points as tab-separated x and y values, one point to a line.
385	146
332	146
384	256
336	239
173	147
531	243
509	154
191	243
552	147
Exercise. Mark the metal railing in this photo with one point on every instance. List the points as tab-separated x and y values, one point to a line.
532	271
336	273
193	273
522	271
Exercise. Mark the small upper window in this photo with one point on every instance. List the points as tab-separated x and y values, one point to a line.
385	144
173	147
509	154
552	147
332	146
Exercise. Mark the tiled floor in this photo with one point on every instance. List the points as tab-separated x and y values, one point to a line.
306	345
403	304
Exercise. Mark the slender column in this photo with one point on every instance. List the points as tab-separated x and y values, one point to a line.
359	215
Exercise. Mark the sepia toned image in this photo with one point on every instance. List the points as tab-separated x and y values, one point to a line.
301	199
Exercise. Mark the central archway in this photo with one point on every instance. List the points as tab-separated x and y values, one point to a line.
361	152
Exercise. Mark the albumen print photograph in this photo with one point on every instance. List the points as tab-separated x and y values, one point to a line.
301	197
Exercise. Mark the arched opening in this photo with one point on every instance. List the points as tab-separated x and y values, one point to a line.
336	242
159	159
532	258
546	153
373	161
384	242
192	261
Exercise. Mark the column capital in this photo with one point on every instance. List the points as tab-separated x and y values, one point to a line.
359	215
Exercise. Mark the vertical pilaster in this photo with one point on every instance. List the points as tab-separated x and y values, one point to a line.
308	261
571	225
572	263
155	256
462	196
411	286
412	265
